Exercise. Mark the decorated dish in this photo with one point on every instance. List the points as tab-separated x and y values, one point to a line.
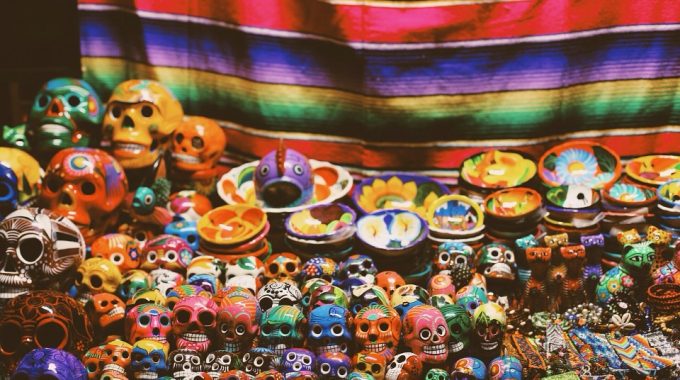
512	203
654	169
496	169
231	224
391	230
579	163
455	215
320	222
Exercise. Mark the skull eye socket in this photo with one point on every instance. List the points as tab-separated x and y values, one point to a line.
147	111
325	368
290	267
171	255
461	260
291	356
165	320
337	330
197	142
156	358
224	328
206	318
316	330
441	330
182	316
240	330
104	303
361	366
285	330
125	354
258	361
53	183
96	281
30	249
178	358
87	188
384	326
342	372
444	257
116	258
195	360
144	320
51	335
116	111
495	253
73	101
363	327
353	269
306	360
11	337
509	256
375	368
151	257
401	358
425	334
273	268
179	138
43	100
266	330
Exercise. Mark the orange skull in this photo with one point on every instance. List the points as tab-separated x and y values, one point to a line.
197	144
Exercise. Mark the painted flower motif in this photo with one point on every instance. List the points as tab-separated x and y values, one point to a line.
627	281
394	193
613	286
390	230
627	193
575	166
622	322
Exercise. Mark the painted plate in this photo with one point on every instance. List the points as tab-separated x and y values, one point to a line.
331	182
628	194
579	163
654	169
321	222
512	203
455	214
391	229
669	193
231	224
497	169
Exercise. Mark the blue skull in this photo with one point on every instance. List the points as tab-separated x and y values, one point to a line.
333	365
8	190
329	329
206	281
50	363
297	359
148	358
505	368
185	229
358	266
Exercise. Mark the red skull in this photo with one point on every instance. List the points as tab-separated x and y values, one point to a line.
194	322
107	313
377	330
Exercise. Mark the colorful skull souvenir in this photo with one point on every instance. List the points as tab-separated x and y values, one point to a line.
40	250
377	329
358	266
333	365
120	249
93	360
186	229
281	328
118	357
404	366
457	259
436	374
258	360
505	368
153	296
50	363
283	178
327	294
167	252
630	275
149	359
389	281
245	266
370	363
164	280
296	375
439	300
8	190
42	318
66	113
330	329
148	321
205	271
469	368
248	282
276	293
97	275
283	266
296	360
318	267
426	333
182	291
235	374
407	297
107	313
354	375
87	186
366	295
133	281
193	323
460	326
236	294
197	145
140	117
220	361
28	175
442	284
497	261
184	362
237	325
471	297
489	324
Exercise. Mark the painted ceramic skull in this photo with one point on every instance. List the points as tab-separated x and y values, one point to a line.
133	281
426	333
283	178
186	229
38	250
87	186
276	293
469	368
404	366
148	321
179	292
407	297
489	324
237	326
283	266
153	296
258	360
327	294
93	360
460	325
194	322
50	363
377	329
42	318
333	365
245	266
205	271
188	205
183	362
140	117
318	267
118	357
197	144
107	313
165	280
471	297
497	261
389	281
370	363
97	275
281	328
248	282
505	368
66	112
308	287
367	295
358	266
220	361
167	252
442	284
296	360
9	191
330	329
149	359
28	175
436	374
458	259
120	249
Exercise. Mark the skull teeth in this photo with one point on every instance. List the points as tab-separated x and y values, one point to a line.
455	347
489	346
278	348
232	347
436	349
329	348
186	158
195	337
114	368
116	311
53	129
132	147
146	375
375	347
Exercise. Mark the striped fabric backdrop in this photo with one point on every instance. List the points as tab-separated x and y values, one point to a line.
419	85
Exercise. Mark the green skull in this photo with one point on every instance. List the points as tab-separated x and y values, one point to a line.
66	113
458	320
437	374
638	257
281	328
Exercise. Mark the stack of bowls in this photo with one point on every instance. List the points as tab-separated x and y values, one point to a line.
668	208
574	209
234	231
326	230
627	205
456	218
486	172
513	213
396	240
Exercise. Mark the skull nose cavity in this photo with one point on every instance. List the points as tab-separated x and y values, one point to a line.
156	331
65	199
372	337
54	108
128	122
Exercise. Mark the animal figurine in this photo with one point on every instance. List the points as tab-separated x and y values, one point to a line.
573	292
535	295
630	276
669	273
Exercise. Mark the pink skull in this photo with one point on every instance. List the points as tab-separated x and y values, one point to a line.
167	252
237	326
194	322
426	333
147	321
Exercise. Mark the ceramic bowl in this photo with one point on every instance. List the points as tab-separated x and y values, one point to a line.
497	169
455	216
248	246
579	163
669	194
572	197
512	204
629	195
397	191
655	169
231	224
331	182
392	232
321	222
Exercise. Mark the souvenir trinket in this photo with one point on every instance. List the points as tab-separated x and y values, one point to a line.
535	290
426	333
630	275
330	329
283	178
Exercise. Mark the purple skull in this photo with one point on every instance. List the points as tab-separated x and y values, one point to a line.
52	363
283	178
296	360
333	365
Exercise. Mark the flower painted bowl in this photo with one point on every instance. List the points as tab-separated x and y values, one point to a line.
496	169
579	163
511	204
321	222
669	194
455	216
572	197
629	195
331	182
231	224
397	191
392	232
654	169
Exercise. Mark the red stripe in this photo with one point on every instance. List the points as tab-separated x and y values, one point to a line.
370	23
423	158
